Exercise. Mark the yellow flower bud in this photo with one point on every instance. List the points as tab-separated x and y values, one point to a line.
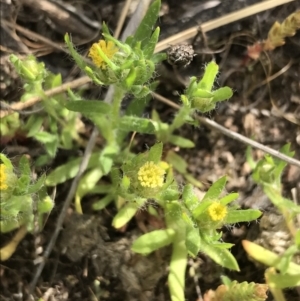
3	177
217	211
109	49
151	175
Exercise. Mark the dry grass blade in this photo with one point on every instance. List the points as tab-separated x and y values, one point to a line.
216	23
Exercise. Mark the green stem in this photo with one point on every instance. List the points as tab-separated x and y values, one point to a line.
178	263
119	93
276	292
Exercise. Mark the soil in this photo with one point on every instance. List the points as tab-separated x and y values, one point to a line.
92	260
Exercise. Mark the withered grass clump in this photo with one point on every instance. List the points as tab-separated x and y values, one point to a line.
276	35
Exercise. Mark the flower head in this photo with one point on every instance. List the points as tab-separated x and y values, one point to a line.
3	177
217	211
109	49
151	175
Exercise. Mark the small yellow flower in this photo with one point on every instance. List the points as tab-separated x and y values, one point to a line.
217	211
3	177
109	48
151	175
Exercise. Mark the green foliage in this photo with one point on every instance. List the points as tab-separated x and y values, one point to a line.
267	173
200	96
234	291
114	173
130	66
55	126
20	195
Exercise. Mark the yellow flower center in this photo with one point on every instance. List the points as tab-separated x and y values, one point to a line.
109	48
217	211
3	177
151	175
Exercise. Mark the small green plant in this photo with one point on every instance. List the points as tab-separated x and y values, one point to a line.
54	126
21	199
200	96
192	224
232	290
131	180
283	272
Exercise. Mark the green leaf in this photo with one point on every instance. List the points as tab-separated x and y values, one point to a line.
124	215
88	106
153	241
155	152
33	125
222	94
208	79
280	165
268	258
222	245
189	178
159	57
89	181
215	189
297	239
280	202
229	198
107	158
45	137
105	126
6	161
222	257
286	258
145	29
69	170
181	142
249	158
192	240
247	215
177	162
77	57
203	94
203	205
24	166
51	148
22	184
136	124
45	205
102	203
284	281
37	186
150	46
180	119
137	106
190	200
130	78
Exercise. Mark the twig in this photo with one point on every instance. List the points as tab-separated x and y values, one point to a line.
122	18
34	35
51	92
215	126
